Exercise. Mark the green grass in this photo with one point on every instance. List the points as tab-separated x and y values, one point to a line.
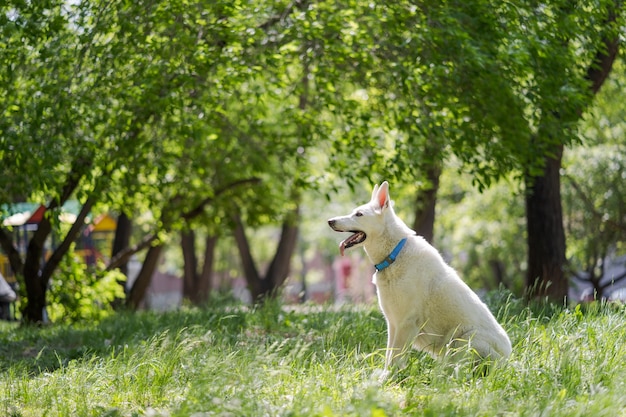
233	361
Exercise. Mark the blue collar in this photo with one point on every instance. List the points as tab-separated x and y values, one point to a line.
392	256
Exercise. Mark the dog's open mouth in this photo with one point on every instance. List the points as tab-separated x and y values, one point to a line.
356	238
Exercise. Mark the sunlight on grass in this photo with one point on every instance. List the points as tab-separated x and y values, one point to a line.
274	361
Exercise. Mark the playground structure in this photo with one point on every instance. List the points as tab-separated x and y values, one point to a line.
22	219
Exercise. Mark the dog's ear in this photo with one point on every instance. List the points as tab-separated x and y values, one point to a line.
374	192
382	197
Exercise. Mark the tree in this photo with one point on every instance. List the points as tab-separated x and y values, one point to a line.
483	232
595	212
143	99
546	261
592	196
155	243
44	149
157	106
58	144
501	87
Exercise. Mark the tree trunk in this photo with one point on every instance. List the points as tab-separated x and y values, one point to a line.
497	268
205	280
141	284
425	204
35	288
123	231
597	287
278	271
197	286
35	280
253	279
544	215
37	272
190	263
546	236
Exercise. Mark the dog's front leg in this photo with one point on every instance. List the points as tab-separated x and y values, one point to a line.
402	337
391	335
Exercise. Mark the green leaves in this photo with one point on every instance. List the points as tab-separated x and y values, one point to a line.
497	85
185	89
171	101
593	193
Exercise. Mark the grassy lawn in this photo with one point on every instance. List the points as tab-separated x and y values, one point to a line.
315	361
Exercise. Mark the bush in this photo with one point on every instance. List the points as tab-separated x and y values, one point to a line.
79	292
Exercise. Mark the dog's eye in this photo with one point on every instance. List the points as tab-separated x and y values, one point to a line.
358	214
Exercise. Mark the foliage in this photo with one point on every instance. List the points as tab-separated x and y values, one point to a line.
231	360
593	187
604	122
81	293
159	106
593	194
481	80
148	106
482	234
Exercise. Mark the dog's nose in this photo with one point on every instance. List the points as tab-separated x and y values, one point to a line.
331	222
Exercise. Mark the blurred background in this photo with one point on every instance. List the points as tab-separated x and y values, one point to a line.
163	153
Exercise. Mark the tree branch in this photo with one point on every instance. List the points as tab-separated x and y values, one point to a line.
196	211
6	242
614	281
602	64
591	207
282	16
70	237
124	255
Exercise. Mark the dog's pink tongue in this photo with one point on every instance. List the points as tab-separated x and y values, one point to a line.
342	247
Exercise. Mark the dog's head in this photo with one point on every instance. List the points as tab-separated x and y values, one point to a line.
364	220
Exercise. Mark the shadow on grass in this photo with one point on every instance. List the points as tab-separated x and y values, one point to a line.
34	350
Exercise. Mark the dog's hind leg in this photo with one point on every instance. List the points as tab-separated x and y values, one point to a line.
472	347
484	348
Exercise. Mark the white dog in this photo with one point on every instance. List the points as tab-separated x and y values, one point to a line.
424	301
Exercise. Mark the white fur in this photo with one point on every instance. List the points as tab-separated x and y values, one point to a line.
424	301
